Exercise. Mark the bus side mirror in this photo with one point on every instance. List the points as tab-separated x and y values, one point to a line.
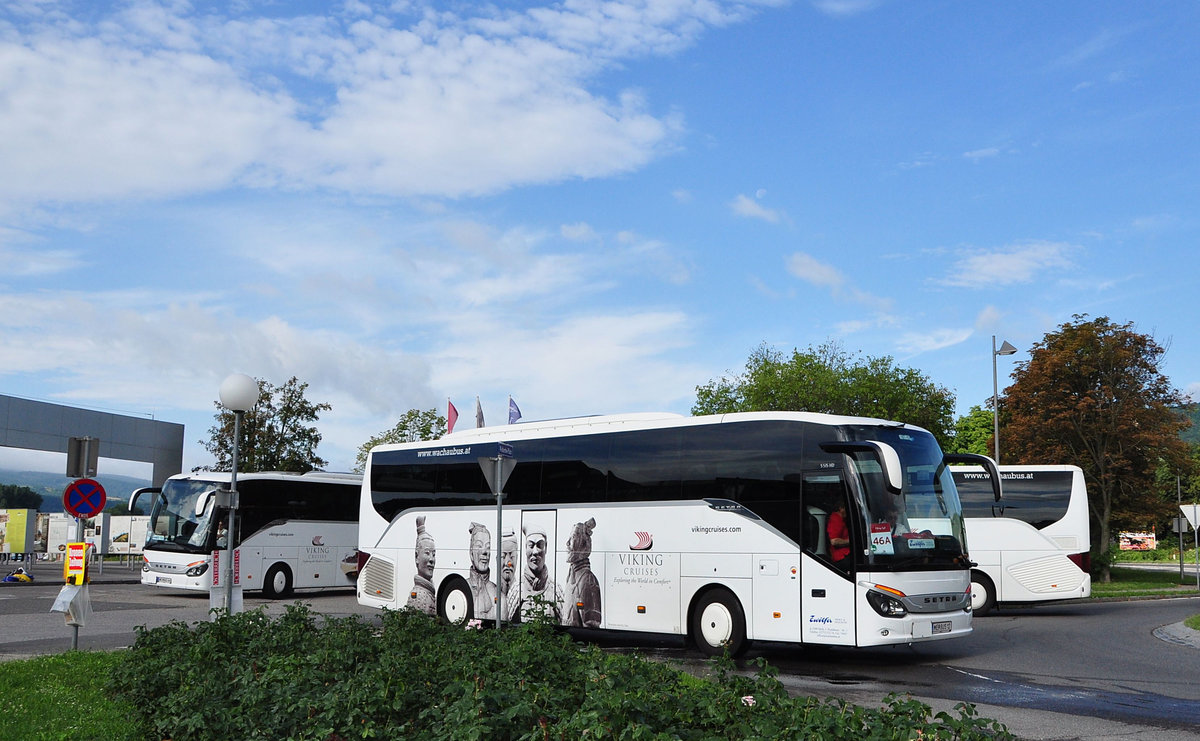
137	493
988	464
889	459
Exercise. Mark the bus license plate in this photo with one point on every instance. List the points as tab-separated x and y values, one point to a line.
167	580
941	626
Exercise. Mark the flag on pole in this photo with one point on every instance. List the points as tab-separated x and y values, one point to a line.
451	416
478	413
514	413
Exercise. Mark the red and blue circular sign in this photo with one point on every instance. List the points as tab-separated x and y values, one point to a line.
84	498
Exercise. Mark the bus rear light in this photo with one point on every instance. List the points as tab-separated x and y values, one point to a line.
1082	560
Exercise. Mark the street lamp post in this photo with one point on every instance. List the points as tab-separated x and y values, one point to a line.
1005	349
238	393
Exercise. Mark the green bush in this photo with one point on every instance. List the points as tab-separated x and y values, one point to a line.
246	676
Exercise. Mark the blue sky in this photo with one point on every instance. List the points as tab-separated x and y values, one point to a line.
592	206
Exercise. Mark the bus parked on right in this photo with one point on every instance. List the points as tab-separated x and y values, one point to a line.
1033	545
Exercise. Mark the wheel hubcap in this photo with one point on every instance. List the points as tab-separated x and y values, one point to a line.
456	606
716	625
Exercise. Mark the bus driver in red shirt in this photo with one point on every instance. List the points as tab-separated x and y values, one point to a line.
839	535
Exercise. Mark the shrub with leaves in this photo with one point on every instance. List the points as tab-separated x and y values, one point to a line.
247	676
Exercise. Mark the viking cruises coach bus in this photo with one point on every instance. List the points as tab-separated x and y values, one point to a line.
293	531
722	528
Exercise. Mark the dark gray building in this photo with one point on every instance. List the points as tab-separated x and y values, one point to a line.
39	425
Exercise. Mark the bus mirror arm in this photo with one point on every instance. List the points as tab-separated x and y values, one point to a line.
988	464
137	493
889	459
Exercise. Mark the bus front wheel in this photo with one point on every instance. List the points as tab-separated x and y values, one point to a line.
456	605
278	582
983	593
718	623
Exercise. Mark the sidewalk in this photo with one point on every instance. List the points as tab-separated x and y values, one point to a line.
50	573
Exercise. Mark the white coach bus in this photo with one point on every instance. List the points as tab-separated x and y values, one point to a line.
1034	546
717	528
294	531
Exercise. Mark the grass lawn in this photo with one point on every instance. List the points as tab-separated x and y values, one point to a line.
1131	582
63	697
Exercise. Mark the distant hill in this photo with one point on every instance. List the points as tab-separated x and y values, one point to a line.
51	486
1192	434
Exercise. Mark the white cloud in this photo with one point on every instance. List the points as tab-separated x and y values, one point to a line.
579	232
988	318
918	342
153	100
745	206
1021	263
979	154
811	270
16	262
845	8
623	360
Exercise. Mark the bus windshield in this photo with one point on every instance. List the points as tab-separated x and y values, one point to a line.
923	524
174	523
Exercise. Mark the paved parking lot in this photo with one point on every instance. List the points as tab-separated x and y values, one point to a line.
119	605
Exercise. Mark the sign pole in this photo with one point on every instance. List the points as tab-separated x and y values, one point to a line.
499	547
1179	501
87	444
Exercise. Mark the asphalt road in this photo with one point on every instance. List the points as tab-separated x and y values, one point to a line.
1083	670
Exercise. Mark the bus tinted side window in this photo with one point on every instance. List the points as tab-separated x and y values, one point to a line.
757	465
573	469
644	466
976	495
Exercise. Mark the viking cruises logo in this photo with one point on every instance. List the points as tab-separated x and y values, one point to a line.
645	541
318	540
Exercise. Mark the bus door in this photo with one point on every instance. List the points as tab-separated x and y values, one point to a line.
541	591
827	593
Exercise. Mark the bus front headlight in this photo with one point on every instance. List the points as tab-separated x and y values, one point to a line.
197	569
886	605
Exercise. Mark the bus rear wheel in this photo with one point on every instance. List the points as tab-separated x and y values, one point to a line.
983	593
718	623
456	605
278	582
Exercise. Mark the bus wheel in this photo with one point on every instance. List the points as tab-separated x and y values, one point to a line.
455	602
718	623
983	593
278	582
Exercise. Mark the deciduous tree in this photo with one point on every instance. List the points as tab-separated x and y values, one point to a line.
19	497
415	424
828	379
1092	394
278	434
973	432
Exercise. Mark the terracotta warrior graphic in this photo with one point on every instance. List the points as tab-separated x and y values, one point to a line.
510	596
483	591
583	589
422	597
535	579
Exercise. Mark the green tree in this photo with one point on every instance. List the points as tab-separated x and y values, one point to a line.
415	424
19	497
1092	394
830	380
973	432
278	434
